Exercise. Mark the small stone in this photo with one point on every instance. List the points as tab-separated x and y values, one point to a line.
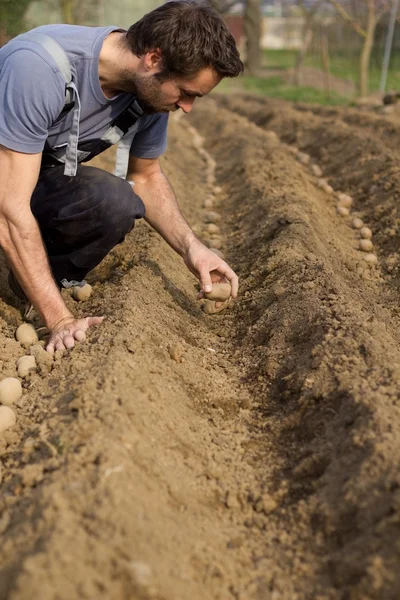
175	352
26	335
7	418
366	233
25	365
82	293
10	391
212	228
357	223
366	245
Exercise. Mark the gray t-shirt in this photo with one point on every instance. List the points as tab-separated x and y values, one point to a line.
32	95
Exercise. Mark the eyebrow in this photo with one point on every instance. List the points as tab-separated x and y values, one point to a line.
192	93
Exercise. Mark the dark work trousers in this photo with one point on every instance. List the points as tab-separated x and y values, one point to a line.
82	218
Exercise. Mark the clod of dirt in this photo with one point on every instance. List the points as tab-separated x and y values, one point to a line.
268	504
175	352
213	228
210	308
366	245
343	211
44	360
357	223
345	200
371	258
25	365
26	335
220	291
82	293
212	217
10	391
7	418
316	170
218	253
366	233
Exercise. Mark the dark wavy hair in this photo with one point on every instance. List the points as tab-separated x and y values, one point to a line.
191	36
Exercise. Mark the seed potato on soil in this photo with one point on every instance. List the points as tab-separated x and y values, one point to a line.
26	365
26	335
357	223
366	233
82	293
366	245
343	211
7	418
10	391
220	291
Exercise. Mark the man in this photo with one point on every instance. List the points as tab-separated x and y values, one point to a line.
58	221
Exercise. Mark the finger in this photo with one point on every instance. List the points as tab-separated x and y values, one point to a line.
50	348
231	276
80	335
205	278
69	341
59	345
94	321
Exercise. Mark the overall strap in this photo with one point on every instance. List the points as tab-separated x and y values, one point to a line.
72	100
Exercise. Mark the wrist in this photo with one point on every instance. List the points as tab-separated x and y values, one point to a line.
56	319
187	242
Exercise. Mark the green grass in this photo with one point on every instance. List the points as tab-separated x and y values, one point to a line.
342	66
275	87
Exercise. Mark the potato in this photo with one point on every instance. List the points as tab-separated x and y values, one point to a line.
210	308
366	233
212	228
215	243
82	293
25	365
26	335
212	217
217	190
219	292
371	258
345	200
343	211
208	203
7	418
357	223
366	245
316	170
10	391
304	158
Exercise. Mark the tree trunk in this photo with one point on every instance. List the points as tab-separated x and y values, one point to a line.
365	57
252	32
301	55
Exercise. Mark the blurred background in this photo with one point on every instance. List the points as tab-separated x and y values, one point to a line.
324	51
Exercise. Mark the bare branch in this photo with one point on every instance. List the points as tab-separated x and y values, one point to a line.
348	18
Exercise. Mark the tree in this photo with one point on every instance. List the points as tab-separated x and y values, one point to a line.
12	18
363	19
307	35
252	32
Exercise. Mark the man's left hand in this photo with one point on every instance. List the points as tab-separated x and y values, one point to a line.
209	268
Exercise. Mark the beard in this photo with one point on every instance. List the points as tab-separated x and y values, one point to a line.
147	91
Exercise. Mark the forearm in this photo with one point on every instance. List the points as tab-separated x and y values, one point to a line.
23	245
163	213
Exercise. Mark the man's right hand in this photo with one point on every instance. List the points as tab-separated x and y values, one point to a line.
68	331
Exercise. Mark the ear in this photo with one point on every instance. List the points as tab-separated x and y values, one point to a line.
152	60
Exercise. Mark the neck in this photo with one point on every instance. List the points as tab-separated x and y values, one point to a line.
114	59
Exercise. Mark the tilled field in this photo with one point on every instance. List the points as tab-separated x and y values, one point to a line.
252	455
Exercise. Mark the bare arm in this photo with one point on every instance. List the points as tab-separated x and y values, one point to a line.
21	241
20	236
164	215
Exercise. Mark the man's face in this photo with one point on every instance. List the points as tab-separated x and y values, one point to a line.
154	96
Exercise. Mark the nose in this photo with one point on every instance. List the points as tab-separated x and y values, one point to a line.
186	105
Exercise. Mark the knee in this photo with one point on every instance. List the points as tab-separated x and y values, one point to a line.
120	207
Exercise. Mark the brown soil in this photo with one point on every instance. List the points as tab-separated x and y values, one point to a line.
252	455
